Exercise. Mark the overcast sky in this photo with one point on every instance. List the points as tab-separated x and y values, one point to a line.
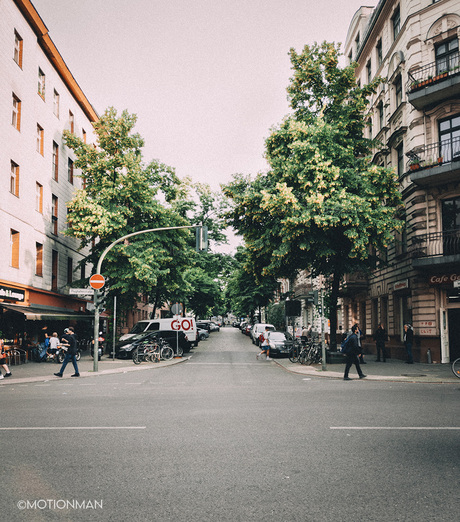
207	78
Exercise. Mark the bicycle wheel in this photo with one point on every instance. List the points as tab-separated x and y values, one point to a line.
136	357
167	353
456	368
294	355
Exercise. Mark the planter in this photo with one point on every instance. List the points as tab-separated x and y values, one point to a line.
415	166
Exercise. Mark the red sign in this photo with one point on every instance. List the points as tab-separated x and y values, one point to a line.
185	324
96	281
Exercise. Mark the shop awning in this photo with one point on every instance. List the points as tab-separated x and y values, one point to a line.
39	313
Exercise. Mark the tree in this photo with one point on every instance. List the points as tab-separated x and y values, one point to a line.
121	195
323	204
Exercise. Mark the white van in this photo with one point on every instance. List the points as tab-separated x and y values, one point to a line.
183	324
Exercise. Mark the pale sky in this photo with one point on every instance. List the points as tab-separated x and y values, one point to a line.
207	78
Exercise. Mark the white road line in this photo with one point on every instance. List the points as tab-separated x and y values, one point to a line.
30	428
394	428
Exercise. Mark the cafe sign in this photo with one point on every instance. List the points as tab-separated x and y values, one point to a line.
445	279
12	294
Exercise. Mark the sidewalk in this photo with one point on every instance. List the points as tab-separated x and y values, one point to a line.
390	371
40	372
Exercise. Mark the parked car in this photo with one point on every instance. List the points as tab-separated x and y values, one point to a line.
124	349
247	330
214	327
257	329
280	343
202	334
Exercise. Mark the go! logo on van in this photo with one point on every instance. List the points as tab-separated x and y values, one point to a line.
185	324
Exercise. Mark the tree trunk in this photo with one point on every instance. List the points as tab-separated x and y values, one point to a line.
337	277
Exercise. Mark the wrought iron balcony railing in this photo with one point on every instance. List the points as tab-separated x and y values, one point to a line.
434	154
436	244
433	72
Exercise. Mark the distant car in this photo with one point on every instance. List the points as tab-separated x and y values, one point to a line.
202	334
214	327
280	343
124	349
258	329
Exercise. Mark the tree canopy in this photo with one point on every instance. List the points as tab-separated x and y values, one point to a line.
323	204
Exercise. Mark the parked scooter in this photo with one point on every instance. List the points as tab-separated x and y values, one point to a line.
100	347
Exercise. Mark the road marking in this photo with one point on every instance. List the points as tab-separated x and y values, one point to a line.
21	428
394	428
224	364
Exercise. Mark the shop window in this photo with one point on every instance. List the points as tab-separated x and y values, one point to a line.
16	113
446	56
39	259
18	48
14	242
14	178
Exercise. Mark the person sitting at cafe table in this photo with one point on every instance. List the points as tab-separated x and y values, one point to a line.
53	346
3	361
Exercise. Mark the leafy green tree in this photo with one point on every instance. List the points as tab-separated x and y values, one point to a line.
323	204
121	195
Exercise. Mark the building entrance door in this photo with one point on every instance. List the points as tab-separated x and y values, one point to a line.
454	333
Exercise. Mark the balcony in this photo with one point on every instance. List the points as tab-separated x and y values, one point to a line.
436	163
436	250
434	82
353	284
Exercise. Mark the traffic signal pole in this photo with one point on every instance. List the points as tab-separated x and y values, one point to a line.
203	230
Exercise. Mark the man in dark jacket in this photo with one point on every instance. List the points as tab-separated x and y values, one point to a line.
68	339
380	337
353	351
408	341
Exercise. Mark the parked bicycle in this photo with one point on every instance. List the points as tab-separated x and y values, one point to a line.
153	352
456	367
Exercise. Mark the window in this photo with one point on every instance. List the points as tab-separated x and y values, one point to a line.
400	241
396	23
16	113
83	133
14	179
369	71
54	215
447	56
71	122
40	139
54	271
381	115
56	103
350	57
39	197
39	259
451	226
55	161
379	52
14	242
18	47
400	159
449	137
69	270
70	170
357	41
82	271
398	91
41	83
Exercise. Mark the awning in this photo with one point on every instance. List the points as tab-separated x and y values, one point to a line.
38	313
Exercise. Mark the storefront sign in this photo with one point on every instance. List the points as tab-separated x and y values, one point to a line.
401	285
427	331
444	279
12	294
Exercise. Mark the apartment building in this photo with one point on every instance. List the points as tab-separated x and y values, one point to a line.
39	99
414	46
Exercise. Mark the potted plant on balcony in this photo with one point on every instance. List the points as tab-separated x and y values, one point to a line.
414	164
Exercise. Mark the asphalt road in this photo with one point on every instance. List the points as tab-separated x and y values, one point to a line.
223	437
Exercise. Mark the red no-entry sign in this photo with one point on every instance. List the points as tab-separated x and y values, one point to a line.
96	281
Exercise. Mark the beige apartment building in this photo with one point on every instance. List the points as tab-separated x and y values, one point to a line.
39	99
414	45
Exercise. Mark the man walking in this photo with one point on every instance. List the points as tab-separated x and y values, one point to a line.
265	344
68	339
352	353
